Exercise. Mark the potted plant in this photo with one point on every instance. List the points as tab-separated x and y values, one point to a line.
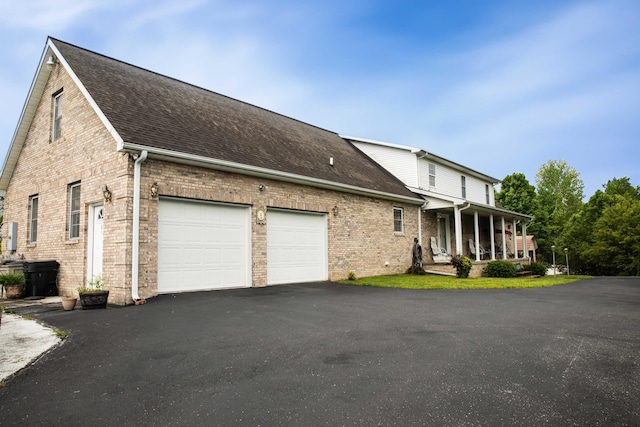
13	284
92	295
68	302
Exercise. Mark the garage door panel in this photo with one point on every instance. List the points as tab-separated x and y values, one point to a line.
296	247
202	246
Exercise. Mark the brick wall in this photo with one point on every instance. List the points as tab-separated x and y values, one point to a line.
360	236
84	153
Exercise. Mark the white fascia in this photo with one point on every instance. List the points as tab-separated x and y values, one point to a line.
227	166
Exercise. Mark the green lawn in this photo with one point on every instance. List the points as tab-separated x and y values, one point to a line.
433	281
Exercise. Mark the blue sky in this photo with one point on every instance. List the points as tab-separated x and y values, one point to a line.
498	86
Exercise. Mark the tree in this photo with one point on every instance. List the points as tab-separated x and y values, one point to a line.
616	247
516	194
580	232
559	197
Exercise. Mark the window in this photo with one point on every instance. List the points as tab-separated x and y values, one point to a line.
486	191
463	183
398	226
74	211
432	175
33	219
57	114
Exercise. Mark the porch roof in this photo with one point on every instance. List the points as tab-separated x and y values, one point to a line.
439	202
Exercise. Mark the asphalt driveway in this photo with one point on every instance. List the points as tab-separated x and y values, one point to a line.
330	354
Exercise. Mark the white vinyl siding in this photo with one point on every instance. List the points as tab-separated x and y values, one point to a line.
401	163
448	183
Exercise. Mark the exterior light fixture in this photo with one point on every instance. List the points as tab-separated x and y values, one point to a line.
51	63
106	193
261	187
154	189
335	211
553	250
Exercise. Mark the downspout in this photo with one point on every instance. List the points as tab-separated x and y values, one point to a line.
135	241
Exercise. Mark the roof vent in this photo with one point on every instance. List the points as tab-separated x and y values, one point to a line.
330	161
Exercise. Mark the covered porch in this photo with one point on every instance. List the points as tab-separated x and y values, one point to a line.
480	232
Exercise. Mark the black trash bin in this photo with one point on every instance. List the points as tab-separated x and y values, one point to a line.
41	278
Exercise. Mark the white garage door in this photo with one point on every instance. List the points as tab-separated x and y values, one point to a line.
202	246
296	247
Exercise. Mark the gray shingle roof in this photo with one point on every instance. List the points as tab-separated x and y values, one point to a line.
156	111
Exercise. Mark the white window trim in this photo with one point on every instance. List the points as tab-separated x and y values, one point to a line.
72	212
33	219
432	175
56	131
463	184
401	231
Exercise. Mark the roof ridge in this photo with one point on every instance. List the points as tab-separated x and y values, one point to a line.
191	85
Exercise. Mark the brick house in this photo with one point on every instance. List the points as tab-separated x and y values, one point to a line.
161	187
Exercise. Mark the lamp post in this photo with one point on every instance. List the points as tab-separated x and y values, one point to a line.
553	251
566	256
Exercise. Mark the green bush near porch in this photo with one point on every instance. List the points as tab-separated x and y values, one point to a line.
503	269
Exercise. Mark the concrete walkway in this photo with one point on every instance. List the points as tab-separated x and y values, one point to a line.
23	341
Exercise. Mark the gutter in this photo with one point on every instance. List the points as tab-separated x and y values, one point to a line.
135	241
227	166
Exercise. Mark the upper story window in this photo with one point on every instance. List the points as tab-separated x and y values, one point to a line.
463	184
486	191
398	220
74	211
432	175
33	219
57	115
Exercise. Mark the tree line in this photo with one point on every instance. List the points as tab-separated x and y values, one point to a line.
602	235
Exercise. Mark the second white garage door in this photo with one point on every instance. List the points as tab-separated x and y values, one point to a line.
202	246
296	247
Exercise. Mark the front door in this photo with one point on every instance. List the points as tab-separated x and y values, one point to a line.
94	258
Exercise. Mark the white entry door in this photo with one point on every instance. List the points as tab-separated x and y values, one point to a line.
96	241
202	246
296	247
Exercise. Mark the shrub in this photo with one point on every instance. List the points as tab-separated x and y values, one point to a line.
538	268
500	269
463	266
12	279
352	275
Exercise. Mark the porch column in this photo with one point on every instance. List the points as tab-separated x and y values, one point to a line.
504	240
515	244
493	237
476	233
457	221
525	252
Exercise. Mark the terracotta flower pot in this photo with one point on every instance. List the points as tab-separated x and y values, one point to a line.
14	292
69	303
